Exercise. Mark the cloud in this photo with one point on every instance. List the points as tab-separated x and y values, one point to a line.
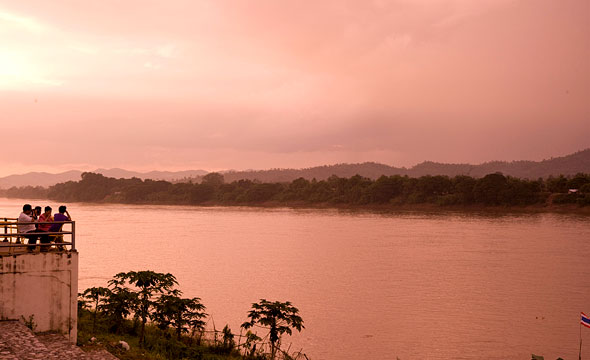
12	20
150	65
166	51
45	81
277	80
18	72
130	50
85	49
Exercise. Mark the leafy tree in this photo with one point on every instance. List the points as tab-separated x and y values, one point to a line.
578	181
214	179
410	188
521	192
119	303
181	314
82	302
201	193
557	184
278	317
96	295
385	188
432	186
353	190
262	192
149	284
298	189
228	338
35	192
463	187
250	344
488	189
321	191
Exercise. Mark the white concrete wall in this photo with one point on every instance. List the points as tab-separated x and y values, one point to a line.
44	285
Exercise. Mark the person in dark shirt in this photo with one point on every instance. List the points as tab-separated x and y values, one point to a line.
62	215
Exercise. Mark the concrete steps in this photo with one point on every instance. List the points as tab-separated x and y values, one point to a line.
17	342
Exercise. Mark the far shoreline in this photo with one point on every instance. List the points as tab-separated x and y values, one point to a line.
427	208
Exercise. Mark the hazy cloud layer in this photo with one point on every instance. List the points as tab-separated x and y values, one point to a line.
243	84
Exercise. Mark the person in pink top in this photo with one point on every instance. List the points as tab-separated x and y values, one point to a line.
44	226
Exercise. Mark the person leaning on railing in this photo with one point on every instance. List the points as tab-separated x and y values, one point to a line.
44	226
36	213
62	215
28	216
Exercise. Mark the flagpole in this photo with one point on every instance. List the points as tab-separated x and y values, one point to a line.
580	353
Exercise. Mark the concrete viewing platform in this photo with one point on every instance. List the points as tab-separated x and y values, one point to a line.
41	288
39	276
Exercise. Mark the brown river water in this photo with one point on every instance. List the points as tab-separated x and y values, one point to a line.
412	285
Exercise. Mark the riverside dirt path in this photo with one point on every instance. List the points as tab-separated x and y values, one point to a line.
17	342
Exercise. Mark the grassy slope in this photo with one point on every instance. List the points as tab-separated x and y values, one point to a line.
159	345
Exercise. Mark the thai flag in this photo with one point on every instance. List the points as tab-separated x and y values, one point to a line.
585	320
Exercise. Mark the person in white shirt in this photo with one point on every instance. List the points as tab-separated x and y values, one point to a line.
28	216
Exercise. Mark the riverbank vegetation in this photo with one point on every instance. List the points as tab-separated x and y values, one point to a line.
143	310
491	190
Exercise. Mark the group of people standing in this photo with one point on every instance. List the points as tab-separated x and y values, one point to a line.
41	224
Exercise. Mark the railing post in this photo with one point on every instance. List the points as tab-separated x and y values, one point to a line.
73	235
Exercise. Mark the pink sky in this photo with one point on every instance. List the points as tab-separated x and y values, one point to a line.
240	84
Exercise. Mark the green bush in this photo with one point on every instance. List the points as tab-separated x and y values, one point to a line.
565	199
583	200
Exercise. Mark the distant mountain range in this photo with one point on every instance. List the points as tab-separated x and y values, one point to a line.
572	164
46	179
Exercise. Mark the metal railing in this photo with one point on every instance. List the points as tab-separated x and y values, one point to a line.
13	241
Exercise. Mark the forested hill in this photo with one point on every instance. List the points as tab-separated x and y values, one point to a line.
567	165
46	179
38	179
369	170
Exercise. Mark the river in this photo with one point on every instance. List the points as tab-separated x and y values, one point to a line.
412	285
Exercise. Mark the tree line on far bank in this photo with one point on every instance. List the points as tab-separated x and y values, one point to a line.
491	190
